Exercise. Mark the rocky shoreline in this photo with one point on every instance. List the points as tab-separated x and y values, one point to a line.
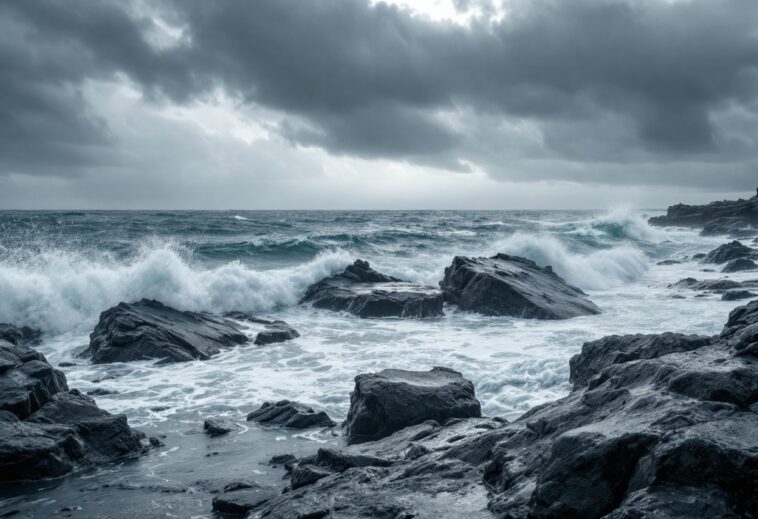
657	425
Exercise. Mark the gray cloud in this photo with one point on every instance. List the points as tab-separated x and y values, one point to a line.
612	91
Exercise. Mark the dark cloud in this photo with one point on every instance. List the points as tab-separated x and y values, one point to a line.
632	91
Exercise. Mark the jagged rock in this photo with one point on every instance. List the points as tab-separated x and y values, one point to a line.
241	501
512	286
742	213
392	399
736	295
732	226
47	430
150	330
273	331
367	293
218	426
728	252
660	426
739	265
286	413
19	335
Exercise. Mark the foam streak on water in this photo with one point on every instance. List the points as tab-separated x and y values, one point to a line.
58	271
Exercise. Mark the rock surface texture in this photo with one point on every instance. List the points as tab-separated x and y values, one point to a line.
512	286
273	331
728	252
286	413
47	430
150	330
660	426
390	400
364	292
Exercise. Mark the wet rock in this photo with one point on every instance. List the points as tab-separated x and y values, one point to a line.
19	336
699	256
240	502
392	399
100	391
512	286
286	413
713	285
669	262
218	426
731	226
729	251
150	330
736	295
362	291
743	213
739	265
273	331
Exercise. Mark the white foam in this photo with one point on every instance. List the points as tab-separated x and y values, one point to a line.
63	291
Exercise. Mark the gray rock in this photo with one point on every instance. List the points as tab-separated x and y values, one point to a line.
736	295
23	335
390	400
742	213
273	332
150	330
668	262
730	251
512	286
712	285
367	293
241	501
739	265
218	426
286	413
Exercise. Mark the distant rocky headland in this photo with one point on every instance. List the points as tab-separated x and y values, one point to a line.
738	218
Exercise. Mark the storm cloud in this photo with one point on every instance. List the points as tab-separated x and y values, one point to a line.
642	92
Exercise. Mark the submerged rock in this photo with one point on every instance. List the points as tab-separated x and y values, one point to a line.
512	286
47	430
739	265
728	252
392	399
218	426
668	262
286	413
655	426
150	330
362	291
713	285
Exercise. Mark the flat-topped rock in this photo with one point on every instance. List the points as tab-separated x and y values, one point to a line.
730	251
150	330
711	285
286	413
362	291
392	399
47	430
506	285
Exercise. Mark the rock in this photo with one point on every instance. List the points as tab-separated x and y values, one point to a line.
286	413
218	426
99	391
27	381
149	330
240	502
392	399
699	256
47	430
367	293
669	262
728	252
738	265
735	295
273	332
659	426
731	226
328	462
512	286
713	285
741	213
19	335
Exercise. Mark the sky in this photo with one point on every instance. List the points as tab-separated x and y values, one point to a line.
360	104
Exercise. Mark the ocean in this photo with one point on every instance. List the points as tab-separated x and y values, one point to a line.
59	270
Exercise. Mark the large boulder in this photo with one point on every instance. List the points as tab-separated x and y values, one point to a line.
150	330
286	413
47	430
19	334
729	251
364	292
739	265
512	286
392	399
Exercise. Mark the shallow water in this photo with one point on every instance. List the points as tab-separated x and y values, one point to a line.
58	271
